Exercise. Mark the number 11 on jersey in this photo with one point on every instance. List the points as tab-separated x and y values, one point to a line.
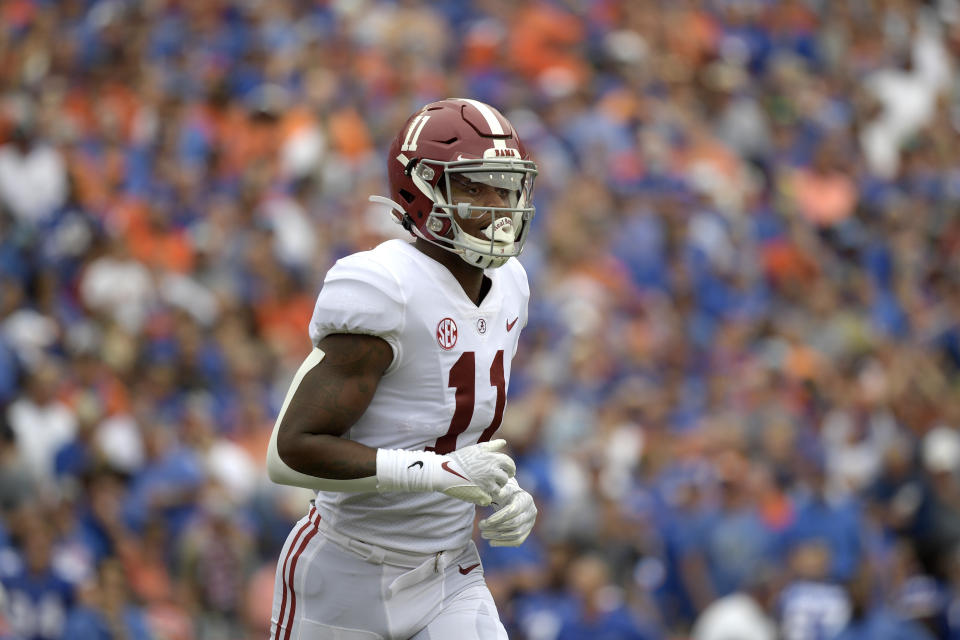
463	379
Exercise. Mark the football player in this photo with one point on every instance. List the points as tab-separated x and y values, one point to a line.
392	416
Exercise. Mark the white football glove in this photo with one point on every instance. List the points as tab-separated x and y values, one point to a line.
472	474
514	518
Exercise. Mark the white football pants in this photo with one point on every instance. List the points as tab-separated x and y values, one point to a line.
331	587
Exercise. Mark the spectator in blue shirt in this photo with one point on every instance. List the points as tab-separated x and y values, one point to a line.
870	620
603	613
737	542
38	598
168	483
882	624
833	520
811	606
541	609
106	612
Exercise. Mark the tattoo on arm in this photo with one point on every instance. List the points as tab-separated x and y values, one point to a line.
330	399
342	386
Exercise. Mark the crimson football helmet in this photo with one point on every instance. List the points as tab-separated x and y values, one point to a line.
464	140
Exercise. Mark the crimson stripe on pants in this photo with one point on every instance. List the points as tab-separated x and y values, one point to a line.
283	573
293	568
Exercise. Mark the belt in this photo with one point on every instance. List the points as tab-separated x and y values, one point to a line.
375	554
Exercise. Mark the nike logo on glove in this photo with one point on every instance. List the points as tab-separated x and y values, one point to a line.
510	324
418	462
446	467
466	570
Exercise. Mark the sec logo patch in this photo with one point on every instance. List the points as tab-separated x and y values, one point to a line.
447	333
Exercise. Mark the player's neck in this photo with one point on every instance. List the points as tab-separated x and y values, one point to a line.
470	278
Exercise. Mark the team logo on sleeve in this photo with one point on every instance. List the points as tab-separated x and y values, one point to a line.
447	333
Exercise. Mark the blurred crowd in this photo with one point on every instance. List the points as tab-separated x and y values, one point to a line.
738	398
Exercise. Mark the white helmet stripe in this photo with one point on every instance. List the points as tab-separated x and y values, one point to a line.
410	142
492	121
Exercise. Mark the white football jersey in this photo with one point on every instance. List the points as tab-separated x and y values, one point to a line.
445	389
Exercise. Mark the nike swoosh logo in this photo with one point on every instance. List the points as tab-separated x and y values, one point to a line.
446	467
510	324
466	570
413	464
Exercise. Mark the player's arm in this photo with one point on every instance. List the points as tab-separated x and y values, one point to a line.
331	390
